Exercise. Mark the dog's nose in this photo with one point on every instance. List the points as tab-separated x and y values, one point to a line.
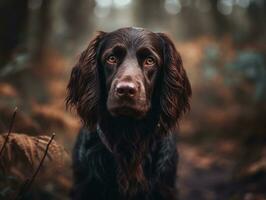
126	89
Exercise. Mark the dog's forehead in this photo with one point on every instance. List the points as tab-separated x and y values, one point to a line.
132	37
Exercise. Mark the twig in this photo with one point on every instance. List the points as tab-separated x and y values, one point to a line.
2	125
41	162
27	184
9	131
22	189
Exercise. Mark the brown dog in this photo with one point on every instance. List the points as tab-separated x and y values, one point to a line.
130	89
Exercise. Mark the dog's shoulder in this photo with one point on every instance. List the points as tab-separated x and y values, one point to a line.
90	156
167	155
87	143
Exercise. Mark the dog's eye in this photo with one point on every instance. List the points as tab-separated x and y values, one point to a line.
149	61
111	59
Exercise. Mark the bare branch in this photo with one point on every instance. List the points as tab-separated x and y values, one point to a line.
22	189
27	184
9	131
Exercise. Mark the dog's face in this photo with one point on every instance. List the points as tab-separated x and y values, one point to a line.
123	70
131	60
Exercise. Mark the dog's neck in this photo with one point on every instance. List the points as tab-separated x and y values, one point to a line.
115	130
129	141
105	140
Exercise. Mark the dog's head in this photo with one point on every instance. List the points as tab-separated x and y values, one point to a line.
130	72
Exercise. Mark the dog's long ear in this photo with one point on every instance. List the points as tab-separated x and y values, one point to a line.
176	89
83	87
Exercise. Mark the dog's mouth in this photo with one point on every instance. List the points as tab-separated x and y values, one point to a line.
136	112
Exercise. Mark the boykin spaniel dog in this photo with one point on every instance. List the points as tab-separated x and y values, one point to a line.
130	89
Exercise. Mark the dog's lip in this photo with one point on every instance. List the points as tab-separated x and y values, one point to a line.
127	110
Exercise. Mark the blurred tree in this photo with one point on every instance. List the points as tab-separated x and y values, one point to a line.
149	12
13	24
220	20
257	16
77	17
40	18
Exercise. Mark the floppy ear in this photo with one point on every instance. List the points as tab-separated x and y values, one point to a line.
83	87
176	89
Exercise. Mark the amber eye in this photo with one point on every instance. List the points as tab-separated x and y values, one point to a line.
112	59
149	61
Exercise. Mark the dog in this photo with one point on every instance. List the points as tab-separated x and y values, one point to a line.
130	89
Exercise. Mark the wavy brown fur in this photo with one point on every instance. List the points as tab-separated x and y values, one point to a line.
131	141
176	90
83	87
